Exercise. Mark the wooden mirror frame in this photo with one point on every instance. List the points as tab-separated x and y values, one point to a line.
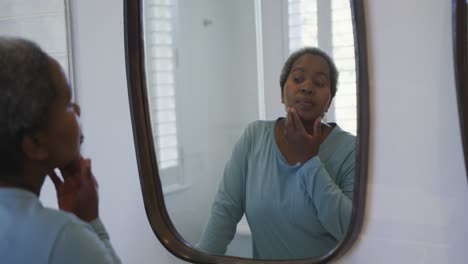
146	158
460	59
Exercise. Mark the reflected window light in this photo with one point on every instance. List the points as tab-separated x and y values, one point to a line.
160	68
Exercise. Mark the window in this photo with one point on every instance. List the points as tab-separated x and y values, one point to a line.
327	24
160	67
47	24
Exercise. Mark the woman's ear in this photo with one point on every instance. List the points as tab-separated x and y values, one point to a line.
35	146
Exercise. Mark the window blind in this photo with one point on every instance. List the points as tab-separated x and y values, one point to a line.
343	54
302	22
160	68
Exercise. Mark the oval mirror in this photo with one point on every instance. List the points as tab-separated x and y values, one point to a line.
242	159
460	47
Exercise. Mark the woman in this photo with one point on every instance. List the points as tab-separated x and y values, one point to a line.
293	177
39	133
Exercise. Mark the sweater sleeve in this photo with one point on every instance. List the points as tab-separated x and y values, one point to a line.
333	200
83	243
229	204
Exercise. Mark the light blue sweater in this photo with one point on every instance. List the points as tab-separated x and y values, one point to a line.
297	211
31	233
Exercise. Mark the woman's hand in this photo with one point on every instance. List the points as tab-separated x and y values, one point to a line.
77	193
304	145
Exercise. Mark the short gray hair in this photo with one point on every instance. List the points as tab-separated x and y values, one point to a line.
26	94
314	51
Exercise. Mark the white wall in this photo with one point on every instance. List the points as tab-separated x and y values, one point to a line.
417	193
274	54
216	99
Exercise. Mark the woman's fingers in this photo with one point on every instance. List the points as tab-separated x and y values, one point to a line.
318	127
288	126
294	119
297	122
55	179
92	176
289	121
85	169
87	175
73	166
292	123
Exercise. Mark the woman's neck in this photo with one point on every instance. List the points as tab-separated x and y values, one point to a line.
31	182
309	127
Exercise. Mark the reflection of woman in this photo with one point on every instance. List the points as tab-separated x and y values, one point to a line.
293	177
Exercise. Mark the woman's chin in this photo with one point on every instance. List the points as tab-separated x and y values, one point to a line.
72	164
308	117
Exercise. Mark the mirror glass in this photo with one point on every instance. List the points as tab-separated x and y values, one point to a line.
234	185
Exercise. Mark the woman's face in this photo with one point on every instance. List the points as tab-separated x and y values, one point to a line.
307	88
64	132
